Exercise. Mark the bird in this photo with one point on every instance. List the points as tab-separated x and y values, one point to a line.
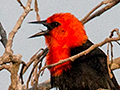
65	36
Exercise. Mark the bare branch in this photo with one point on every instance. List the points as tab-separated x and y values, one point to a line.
32	60
21	4
36	10
4	66
108	1
34	57
40	59
116	64
95	8
99	12
43	86
23	65
16	28
8	57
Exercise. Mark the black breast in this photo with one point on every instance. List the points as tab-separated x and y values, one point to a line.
88	72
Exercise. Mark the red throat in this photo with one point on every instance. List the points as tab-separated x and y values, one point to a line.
56	54
70	33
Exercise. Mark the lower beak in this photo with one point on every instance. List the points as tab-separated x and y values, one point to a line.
42	32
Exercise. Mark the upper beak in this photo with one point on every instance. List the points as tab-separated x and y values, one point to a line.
49	27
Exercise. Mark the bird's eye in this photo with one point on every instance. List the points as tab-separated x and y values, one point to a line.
55	24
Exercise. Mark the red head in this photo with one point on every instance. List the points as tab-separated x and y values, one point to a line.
64	32
69	33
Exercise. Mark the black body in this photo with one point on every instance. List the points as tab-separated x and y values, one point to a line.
88	72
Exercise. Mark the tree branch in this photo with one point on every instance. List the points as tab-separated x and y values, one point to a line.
8	57
21	4
7	67
17	26
43	86
110	4
36	10
116	63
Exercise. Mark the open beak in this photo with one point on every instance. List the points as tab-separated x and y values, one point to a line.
49	27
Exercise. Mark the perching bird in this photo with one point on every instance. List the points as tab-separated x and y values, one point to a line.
65	36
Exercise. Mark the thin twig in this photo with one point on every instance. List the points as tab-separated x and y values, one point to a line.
116	64
111	53
43	86
21	4
16	28
14	60
43	55
4	66
95	8
36	10
32	60
118	43
21	76
108	65
101	11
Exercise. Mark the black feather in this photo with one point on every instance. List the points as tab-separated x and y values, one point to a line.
88	72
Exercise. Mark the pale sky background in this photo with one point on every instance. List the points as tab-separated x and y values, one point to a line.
97	29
